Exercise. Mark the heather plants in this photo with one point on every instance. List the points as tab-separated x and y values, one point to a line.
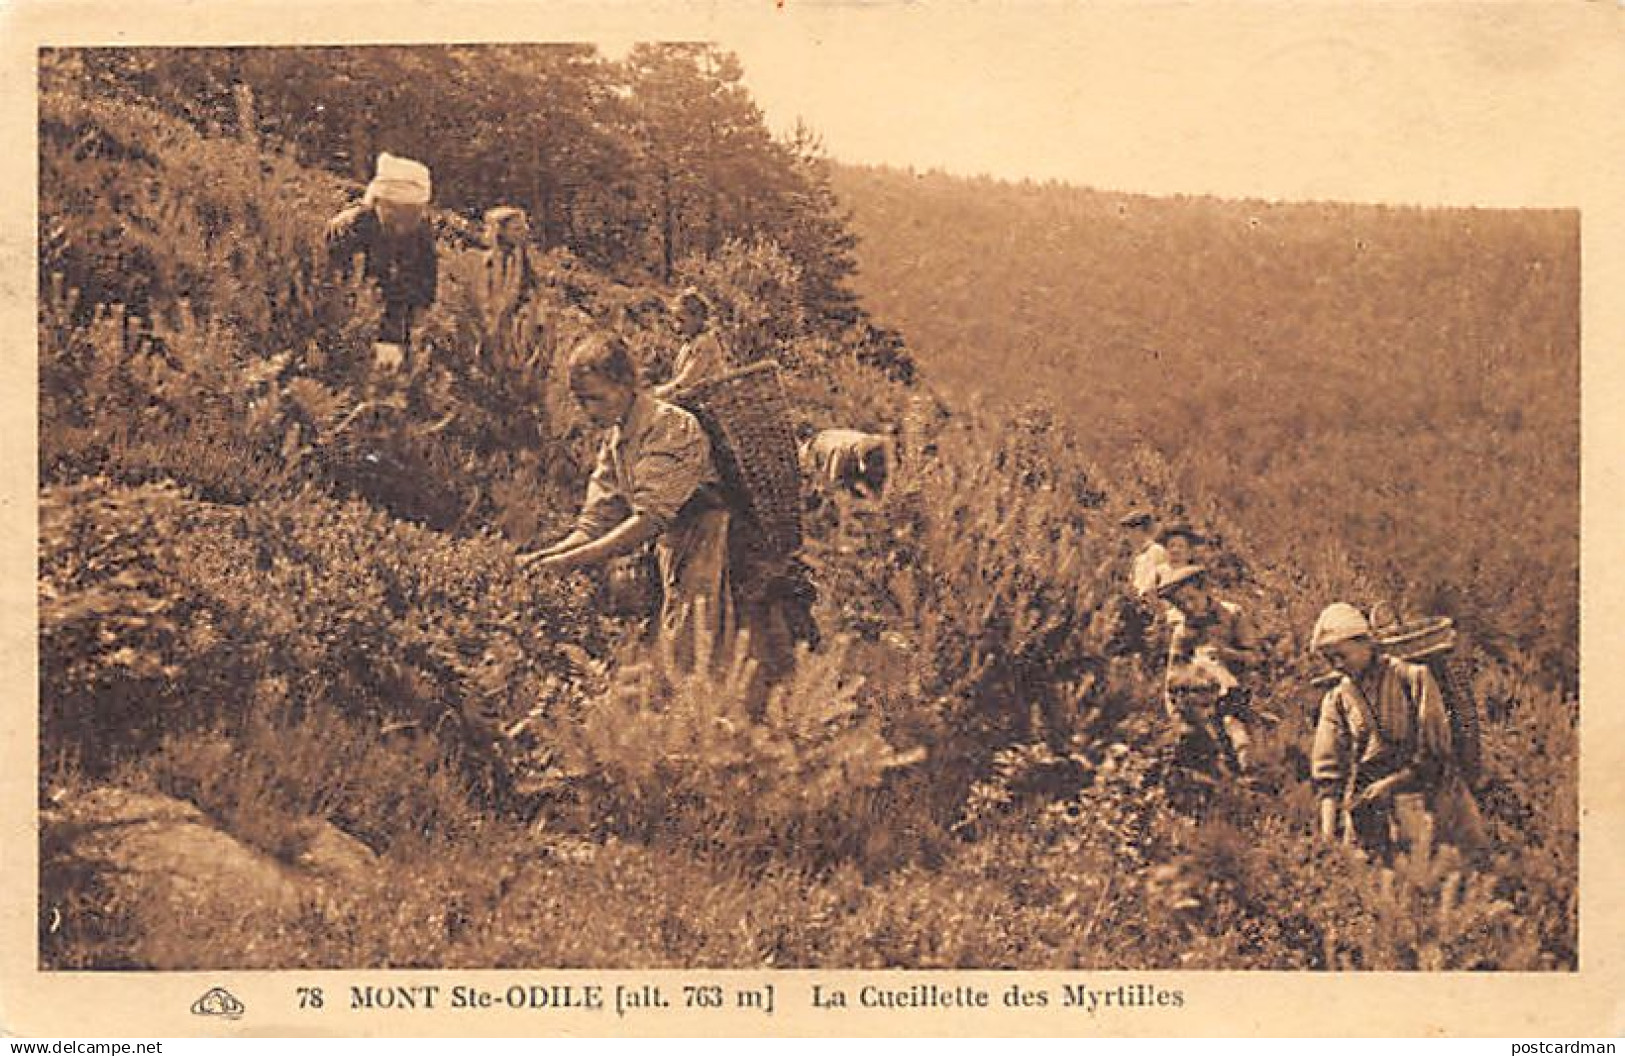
280	585
208	606
127	649
995	591
754	289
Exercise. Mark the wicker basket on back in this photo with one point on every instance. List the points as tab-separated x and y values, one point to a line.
1432	642
746	414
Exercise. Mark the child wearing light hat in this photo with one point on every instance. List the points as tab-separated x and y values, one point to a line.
1212	644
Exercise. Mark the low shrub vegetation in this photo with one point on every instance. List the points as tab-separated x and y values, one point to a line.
283	588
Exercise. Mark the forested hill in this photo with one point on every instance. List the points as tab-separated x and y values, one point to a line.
634	165
281	611
1396	384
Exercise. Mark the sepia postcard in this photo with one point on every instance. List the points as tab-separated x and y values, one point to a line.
813	518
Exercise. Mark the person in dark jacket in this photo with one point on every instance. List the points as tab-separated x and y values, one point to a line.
390	229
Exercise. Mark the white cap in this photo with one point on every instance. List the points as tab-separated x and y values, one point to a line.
1338	622
399	180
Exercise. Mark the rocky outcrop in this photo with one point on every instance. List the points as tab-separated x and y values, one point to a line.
157	871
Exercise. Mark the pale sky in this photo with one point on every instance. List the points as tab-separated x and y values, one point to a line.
1448	104
1493	103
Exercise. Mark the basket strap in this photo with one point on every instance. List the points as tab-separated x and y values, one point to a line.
1363	706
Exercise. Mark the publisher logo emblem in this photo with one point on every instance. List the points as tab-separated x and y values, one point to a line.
218	1002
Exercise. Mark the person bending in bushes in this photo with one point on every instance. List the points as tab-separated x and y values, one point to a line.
390	229
655	479
851	459
700	356
1211	644
1381	758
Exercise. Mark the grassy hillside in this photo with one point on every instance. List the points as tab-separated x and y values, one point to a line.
1397	387
282	587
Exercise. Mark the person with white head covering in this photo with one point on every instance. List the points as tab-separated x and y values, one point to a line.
1381	759
390	229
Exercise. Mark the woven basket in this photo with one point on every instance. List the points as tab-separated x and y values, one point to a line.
745	412
1456	682
1418	640
1433	642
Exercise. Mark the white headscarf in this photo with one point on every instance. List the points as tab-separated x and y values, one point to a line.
399	180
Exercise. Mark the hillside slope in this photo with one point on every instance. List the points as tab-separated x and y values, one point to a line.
1397	386
280	585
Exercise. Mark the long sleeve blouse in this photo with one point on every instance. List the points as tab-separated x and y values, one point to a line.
1374	726
653	463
